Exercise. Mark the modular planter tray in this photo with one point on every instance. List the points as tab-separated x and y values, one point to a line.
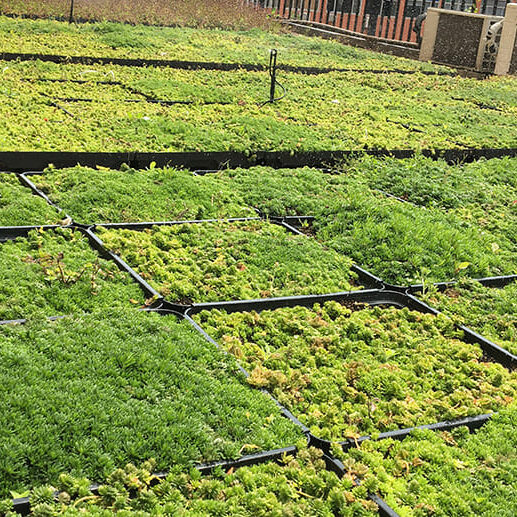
200	65
8	233
38	192
151	101
490	281
205	161
366	278
494	282
13	232
22	506
97	244
473	423
147	225
371	297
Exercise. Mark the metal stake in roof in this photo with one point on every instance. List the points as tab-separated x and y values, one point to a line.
272	74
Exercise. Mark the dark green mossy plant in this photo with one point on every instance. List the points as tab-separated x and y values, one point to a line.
346	373
280	192
51	273
483	193
128	195
490	311
230	261
448	474
88	394
434	183
19	207
405	244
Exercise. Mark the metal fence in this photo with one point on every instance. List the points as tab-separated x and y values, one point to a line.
399	20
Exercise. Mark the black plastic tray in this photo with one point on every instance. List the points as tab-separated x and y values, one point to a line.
13	232
25	181
472	422
36	161
203	65
9	233
146	225
98	245
22	505
370	297
489	281
147	99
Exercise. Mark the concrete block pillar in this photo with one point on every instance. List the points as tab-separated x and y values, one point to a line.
430	31
507	53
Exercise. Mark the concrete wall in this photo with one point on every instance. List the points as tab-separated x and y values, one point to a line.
456	38
506	62
460	39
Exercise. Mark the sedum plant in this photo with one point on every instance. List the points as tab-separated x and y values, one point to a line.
55	272
230	261
351	371
88	394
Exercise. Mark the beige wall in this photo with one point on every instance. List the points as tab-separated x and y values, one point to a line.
508	44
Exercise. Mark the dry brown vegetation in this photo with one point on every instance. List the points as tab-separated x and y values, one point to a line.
230	14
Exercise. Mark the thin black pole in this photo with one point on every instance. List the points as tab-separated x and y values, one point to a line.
272	72
71	19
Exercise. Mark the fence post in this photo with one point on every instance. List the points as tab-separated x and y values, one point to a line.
324	12
400	20
508	43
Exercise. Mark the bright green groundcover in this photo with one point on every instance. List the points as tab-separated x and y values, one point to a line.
447	474
88	394
334	111
19	207
346	372
99	196
230	261
399	242
50	273
125	41
490	311
294	486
